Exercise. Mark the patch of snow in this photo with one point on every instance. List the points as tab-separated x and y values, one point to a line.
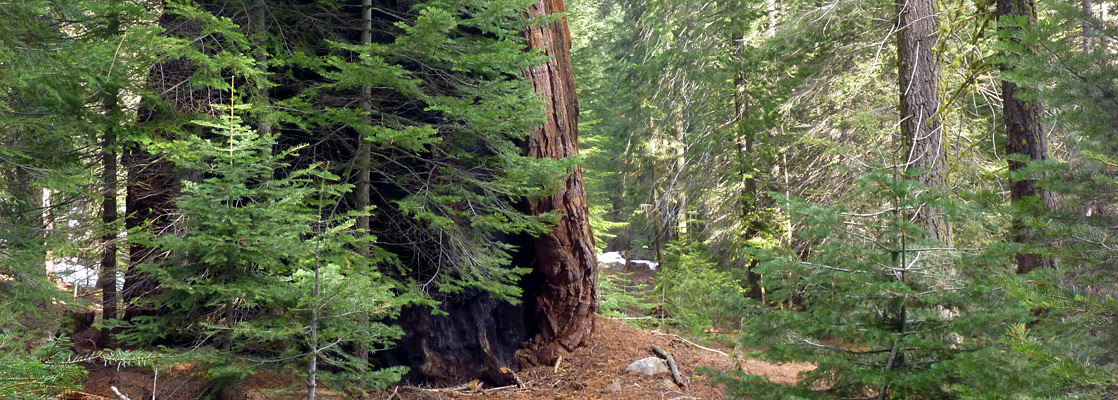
611	257
615	258
71	272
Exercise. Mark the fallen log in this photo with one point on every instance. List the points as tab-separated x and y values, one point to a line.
671	365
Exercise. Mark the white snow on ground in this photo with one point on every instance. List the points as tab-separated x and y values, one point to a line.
614	257
611	257
650	264
76	274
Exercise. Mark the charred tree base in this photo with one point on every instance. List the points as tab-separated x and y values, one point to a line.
476	338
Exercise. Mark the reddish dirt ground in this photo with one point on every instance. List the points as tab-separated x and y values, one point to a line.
586	374
182	382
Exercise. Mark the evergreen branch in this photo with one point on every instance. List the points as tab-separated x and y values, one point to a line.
848	351
108	357
832	268
1108	163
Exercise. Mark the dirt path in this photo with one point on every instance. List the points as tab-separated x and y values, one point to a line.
589	372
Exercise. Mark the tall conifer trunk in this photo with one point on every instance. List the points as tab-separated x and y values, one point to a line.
364	158
1024	136
921	131
747	156
565	256
107	276
108	272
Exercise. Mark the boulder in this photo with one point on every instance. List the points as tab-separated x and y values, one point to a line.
649	366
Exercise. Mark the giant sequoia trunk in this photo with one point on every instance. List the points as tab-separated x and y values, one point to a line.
921	131
478	334
1024	136
565	257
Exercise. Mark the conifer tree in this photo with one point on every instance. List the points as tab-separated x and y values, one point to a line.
564	256
875	308
1025	138
918	70
256	256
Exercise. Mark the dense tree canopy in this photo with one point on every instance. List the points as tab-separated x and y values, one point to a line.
918	197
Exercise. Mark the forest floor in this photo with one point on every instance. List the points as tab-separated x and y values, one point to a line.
593	372
596	371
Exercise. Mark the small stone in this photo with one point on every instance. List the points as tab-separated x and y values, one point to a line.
649	366
668	384
614	386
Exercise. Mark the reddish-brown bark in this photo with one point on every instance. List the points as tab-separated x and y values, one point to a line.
564	257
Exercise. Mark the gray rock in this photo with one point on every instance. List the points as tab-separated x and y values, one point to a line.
649	366
614	386
668	384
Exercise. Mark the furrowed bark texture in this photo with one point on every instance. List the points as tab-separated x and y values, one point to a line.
565	257
106	279
108	274
921	131
1024	136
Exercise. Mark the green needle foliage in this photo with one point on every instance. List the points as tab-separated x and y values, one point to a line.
885	313
240	275
448	111
36	368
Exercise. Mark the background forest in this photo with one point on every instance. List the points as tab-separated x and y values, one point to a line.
925	214
916	197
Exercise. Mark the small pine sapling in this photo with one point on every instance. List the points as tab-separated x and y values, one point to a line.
263	271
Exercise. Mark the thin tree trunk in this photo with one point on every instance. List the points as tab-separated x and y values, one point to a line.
1088	10
108	274
921	130
363	160
259	18
1024	136
657	219
565	256
745	143
312	364
48	231
680	189
748	197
